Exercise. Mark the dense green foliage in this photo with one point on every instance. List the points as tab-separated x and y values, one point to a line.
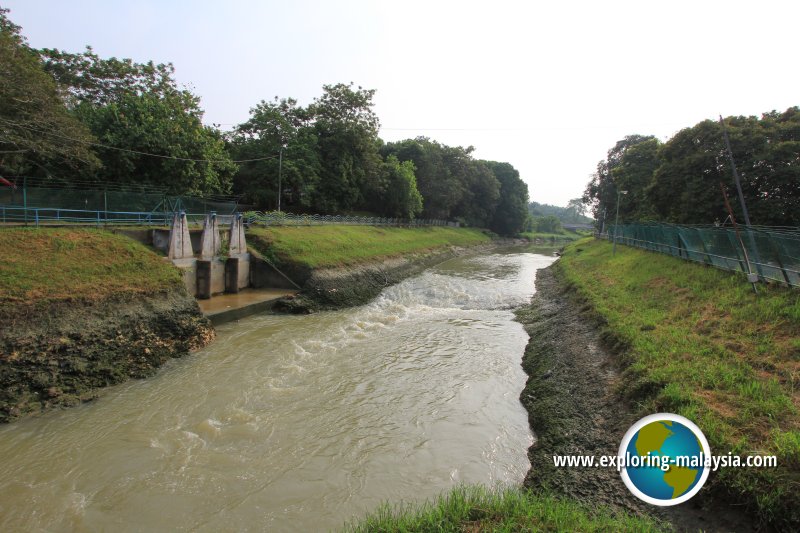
548	224
331	160
476	508
108	121
698	342
136	109
560	236
37	133
574	213
329	246
682	180
279	127
454	185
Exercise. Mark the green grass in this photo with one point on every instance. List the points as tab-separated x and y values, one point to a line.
43	265
698	342
329	246
475	508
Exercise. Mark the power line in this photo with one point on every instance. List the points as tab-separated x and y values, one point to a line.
36	130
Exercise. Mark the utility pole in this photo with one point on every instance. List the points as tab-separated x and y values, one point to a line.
757	259
603	224
280	176
735	173
616	222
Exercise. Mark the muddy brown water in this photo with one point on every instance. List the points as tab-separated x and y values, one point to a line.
295	423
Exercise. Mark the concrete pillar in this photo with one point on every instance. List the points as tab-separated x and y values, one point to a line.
237	244
232	275
203	279
210	243
180	242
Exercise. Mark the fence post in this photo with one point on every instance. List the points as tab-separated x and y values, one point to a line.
25	199
703	243
736	250
37	217
779	259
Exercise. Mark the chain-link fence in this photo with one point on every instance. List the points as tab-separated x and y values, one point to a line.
38	205
771	253
291	219
112	199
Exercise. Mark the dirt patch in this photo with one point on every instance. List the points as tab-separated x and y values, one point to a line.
63	354
574	409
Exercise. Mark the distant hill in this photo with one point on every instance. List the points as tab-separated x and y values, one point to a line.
572	214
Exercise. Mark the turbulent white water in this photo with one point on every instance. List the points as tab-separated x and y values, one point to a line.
295	422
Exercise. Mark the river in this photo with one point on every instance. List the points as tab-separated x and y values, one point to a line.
295	423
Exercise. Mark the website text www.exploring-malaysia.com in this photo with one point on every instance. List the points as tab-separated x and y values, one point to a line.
665	462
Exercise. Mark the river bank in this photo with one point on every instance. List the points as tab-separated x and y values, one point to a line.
84	309
337	267
298	423
595	366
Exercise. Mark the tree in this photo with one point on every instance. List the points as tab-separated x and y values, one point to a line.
278	128
635	174
87	78
397	194
548	224
576	209
777	182
438	173
512	208
602	191
137	109
167	126
346	128
37	133
564	214
481	192
679	181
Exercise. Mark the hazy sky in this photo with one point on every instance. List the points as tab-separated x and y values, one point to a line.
546	86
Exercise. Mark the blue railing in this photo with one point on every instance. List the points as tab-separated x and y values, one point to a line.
37	216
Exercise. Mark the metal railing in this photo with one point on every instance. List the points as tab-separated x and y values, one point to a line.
38	216
769	253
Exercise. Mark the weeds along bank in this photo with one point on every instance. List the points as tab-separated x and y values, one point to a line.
476	508
83	309
699	342
342	266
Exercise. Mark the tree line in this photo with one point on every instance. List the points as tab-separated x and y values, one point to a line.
76	117
685	179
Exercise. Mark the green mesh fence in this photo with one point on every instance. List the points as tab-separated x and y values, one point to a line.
772	253
110	200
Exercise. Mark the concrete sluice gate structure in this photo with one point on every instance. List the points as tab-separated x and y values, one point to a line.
217	266
209	271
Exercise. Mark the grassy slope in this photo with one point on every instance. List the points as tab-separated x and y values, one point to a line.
327	246
50	264
698	342
479	509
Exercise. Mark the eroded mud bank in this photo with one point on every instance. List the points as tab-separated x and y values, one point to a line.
63	354
575	408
